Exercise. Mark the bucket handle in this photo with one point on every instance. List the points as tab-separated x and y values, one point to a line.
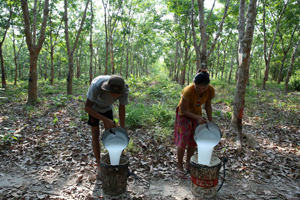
146	184
224	160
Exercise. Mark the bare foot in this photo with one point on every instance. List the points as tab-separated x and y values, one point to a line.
188	166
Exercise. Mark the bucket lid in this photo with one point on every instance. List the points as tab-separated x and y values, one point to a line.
209	128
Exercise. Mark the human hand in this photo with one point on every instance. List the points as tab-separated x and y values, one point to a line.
110	124
202	120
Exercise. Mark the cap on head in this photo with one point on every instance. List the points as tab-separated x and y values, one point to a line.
115	84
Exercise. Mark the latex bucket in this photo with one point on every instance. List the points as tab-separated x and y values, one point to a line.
208	128
207	136
114	177
114	133
205	178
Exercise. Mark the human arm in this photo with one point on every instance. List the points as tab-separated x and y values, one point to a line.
122	112
208	109
90	110
186	112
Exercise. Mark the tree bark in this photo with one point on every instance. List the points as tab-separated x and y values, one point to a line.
106	37
232	58
285	52
267	56
70	49
224	59
34	49
243	75
91	43
289	73
52	45
196	46
78	60
16	56
218	62
219	32
46	66
177	66
3	71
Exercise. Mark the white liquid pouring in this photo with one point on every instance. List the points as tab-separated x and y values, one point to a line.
115	145
206	141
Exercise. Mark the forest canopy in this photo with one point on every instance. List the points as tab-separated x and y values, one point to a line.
130	37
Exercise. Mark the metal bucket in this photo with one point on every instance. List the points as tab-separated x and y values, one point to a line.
207	136
114	177
205	178
114	133
209	127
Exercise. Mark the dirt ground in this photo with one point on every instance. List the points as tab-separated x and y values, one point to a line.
61	182
55	161
42	174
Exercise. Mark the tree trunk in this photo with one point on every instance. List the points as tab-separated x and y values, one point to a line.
106	37
52	65
243	75
224	59
123	50
267	56
34	49
285	52
16	56
91	43
46	66
69	49
196	46
2	67
231	65
52	45
78	60
176	53
218	62
3	71
186	53
289	73
127	60
218	34
111	54
96	62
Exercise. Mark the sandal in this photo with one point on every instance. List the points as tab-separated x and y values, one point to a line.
181	174
98	174
188	168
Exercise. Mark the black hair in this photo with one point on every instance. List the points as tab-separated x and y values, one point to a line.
202	77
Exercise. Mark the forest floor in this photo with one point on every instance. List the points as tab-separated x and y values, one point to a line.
53	157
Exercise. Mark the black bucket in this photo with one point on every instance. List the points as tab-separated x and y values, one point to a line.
114	177
205	178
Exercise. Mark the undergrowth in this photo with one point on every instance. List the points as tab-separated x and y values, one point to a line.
153	101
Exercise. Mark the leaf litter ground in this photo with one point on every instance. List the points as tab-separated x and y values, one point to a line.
55	160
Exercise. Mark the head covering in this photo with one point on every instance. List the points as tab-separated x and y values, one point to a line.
115	84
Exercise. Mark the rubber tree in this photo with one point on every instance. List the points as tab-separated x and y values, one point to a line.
285	51
54	28
289	73
268	52
201	49
4	25
245	38
180	32
286	34
71	49
33	45
91	42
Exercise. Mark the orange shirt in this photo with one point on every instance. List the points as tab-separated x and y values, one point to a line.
189	93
